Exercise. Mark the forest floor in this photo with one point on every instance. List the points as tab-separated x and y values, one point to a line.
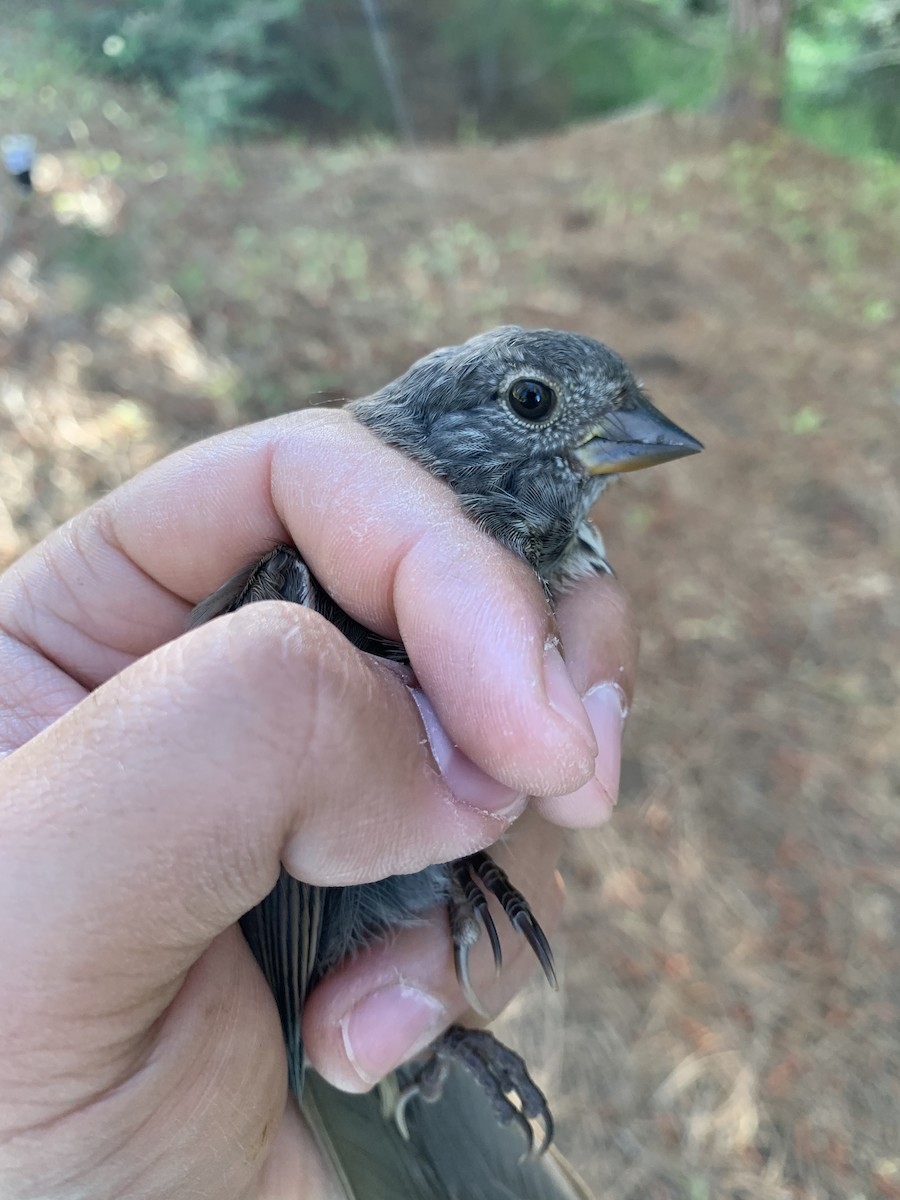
732	956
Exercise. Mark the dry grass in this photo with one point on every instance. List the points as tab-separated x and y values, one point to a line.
732	957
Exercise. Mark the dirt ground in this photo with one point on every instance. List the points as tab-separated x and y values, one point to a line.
732	954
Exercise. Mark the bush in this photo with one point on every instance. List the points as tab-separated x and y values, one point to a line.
498	66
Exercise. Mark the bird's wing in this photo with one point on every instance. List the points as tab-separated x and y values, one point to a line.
458	1150
285	930
279	575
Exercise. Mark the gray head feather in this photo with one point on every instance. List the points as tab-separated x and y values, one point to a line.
518	477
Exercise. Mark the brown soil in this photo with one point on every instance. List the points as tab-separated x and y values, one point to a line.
732	962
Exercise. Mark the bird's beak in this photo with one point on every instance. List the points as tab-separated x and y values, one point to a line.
632	437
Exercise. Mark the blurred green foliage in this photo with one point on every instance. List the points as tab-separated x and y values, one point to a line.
466	68
462	66
844	63
96	270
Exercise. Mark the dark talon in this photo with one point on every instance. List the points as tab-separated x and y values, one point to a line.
537	940
504	1076
516	908
502	1073
483	913
468	913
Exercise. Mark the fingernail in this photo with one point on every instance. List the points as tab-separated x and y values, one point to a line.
592	804
465	780
388	1027
606	708
563	698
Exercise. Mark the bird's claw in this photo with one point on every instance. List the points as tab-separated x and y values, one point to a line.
469	914
500	1071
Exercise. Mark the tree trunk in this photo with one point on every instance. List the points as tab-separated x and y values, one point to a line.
755	86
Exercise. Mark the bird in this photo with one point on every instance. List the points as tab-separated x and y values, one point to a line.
527	426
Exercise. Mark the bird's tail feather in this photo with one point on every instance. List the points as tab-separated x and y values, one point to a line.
457	1148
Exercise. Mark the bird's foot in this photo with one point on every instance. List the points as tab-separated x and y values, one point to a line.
501	1072
469	914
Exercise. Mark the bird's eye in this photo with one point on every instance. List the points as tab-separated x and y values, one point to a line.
531	399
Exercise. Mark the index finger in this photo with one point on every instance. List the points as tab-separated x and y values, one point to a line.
387	540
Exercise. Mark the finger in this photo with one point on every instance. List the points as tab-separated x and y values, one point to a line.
170	1117
600	637
386	539
385	1005
156	812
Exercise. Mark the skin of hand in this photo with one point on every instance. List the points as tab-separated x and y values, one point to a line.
153	781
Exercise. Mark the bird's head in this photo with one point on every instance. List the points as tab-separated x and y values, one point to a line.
527	425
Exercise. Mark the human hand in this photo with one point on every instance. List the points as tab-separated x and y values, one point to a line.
155	780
